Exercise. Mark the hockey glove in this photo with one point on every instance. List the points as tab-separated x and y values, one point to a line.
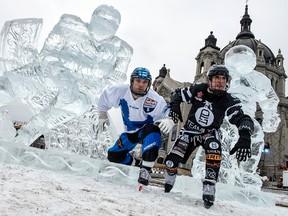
243	146
175	113
103	122
166	125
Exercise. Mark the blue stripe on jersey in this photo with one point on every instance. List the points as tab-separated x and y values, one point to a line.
132	125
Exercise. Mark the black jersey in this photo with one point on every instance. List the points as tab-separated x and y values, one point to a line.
209	110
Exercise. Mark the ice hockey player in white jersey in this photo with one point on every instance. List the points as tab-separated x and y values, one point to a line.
145	115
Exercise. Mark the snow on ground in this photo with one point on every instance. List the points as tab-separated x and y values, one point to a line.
27	191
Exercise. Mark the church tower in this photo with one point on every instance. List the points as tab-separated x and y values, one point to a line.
208	55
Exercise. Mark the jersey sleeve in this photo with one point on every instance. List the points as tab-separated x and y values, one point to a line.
162	110
183	95
109	98
237	117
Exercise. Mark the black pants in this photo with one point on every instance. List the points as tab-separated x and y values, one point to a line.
187	142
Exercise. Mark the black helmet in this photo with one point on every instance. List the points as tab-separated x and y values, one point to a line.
142	73
218	70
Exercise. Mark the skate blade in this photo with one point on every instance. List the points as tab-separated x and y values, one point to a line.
140	187
207	204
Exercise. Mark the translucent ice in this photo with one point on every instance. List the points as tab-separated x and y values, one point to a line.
251	87
7	130
60	84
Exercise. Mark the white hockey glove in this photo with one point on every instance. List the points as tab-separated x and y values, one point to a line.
103	122
166	125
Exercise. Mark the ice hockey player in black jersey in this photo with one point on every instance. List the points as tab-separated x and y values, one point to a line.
210	104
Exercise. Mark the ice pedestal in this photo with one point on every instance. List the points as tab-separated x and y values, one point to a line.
193	186
69	163
285	179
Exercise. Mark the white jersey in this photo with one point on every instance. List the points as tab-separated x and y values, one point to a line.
135	113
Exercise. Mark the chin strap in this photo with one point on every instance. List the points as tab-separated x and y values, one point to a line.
217	93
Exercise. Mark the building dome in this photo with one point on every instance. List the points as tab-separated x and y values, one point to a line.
246	37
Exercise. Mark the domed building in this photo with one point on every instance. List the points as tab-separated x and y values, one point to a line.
275	158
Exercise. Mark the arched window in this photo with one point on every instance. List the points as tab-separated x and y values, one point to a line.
201	67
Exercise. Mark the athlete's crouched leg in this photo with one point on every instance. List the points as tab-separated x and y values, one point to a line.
213	151
172	161
122	157
151	141
119	152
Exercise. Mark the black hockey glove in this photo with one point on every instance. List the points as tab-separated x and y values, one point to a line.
243	146
175	113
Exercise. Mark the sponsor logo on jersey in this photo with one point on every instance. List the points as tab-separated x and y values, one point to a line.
149	105
209	151
169	163
149	146
204	115
214	145
193	127
199	96
213	157
211	173
119	142
179	148
213	164
133	107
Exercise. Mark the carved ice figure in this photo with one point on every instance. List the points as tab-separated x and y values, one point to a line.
95	56
18	43
61	84
251	87
18	47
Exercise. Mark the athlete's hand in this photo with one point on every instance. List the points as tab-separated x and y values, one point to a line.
175	113
166	125
103	122
243	146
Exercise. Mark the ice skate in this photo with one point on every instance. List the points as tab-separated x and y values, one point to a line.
144	176
208	193
169	181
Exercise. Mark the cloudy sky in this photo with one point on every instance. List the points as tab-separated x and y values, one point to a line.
168	31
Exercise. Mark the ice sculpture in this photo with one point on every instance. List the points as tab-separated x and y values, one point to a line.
251	87
61	84
18	43
7	130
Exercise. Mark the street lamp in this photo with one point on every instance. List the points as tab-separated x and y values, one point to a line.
266	148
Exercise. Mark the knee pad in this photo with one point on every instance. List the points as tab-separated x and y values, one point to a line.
172	161
171	165
151	141
213	150
179	148
151	154
212	144
213	158
150	129
119	157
